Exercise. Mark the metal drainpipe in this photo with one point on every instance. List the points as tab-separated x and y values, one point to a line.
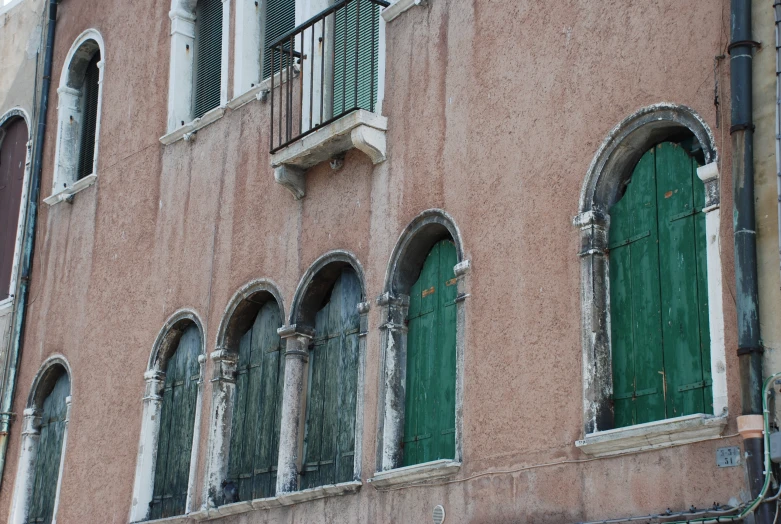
9	384
777	10
749	348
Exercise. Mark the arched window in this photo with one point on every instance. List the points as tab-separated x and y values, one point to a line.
165	482
78	118
257	407
429	401
177	419
659	291
44	440
207	74
423	346
13	155
329	435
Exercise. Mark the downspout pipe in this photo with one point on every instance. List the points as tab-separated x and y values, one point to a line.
777	11
747	303
20	311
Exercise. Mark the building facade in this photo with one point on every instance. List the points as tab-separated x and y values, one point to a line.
308	261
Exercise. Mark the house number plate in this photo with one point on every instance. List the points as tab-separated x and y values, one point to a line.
728	457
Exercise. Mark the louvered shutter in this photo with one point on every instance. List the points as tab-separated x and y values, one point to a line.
89	118
658	292
430	410
329	442
174	447
47	460
356	38
208	56
280	18
256	417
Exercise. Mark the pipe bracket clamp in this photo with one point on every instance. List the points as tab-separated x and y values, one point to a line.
748	351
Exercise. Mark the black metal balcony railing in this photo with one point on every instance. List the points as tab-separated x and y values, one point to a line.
336	56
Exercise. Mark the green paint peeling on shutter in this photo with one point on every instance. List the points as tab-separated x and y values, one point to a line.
174	447
280	18
658	292
430	409
89	117
353	88
329	442
47	460
256	415
207	77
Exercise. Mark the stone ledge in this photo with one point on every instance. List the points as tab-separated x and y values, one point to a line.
68	192
399	6
411	474
358	129
187	130
283	499
179	519
652	435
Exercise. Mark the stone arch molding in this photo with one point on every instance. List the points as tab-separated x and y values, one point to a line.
69	116
7	117
404	266
610	168
164	346
50	371
238	317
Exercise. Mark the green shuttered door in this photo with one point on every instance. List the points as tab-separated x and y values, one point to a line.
47	461
172	469
329	446
256	417
208	56
280	18
89	115
430	409
658	292
358	18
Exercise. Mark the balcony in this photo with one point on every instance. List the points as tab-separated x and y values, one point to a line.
330	109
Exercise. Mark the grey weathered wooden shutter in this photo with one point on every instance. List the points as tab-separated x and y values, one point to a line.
280	18
207	74
356	39
329	442
89	118
256	415
47	460
172	468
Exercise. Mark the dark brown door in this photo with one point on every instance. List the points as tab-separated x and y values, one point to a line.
13	148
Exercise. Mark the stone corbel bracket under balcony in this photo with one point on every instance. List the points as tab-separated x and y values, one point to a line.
359	129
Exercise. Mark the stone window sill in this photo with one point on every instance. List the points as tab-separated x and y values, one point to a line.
283	499
179	519
411	474
399	6
360	129
652	435
259	92
68	192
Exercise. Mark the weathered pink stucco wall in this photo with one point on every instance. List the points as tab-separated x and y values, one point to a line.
495	110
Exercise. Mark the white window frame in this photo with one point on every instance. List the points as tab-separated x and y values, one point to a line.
69	125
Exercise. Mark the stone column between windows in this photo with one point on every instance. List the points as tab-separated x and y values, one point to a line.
363	311
147	446
709	174
62	457
394	344
223	391
69	136
25	473
293	405
181	68
196	443
101	64
595	319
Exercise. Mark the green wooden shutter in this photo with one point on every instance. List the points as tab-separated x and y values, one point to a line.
208	56
256	416
89	117
329	442
430	409
658	293
348	49
172	468
280	18
47	460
